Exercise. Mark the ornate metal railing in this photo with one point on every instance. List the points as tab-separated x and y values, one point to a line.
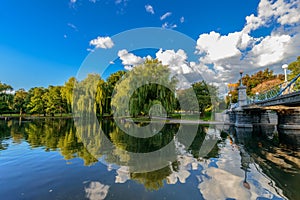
280	89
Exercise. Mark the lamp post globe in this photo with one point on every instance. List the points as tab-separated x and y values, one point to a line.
284	67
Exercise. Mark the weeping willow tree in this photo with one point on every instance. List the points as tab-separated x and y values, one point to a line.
67	93
90	96
111	81
143	87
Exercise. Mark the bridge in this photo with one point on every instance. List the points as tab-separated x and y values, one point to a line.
273	111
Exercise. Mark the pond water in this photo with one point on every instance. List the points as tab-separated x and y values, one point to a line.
54	159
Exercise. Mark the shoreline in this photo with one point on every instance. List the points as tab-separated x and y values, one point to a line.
155	120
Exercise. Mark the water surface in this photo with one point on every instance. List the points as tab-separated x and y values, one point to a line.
50	159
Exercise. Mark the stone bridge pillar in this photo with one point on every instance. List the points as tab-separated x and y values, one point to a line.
267	124
243	119
289	126
242	97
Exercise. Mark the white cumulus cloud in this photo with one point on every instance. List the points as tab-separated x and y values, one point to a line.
102	42
270	50
176	60
283	12
227	54
216	47
129	60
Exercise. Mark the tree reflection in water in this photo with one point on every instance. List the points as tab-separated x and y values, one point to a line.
177	170
224	170
58	134
51	134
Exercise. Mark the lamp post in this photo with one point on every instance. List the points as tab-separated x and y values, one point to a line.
284	67
241	74
256	95
230	95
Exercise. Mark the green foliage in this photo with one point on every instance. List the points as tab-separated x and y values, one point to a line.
4	88
67	93
37	103
84	101
101	96
158	89
59	99
294	67
6	98
206	96
111	82
96	89
257	78
19	102
54	102
295	70
188	102
5	103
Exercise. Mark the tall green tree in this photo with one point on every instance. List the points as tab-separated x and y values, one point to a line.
84	100
20	100
54	101
6	98
101	96
187	95
111	82
37	103
156	90
67	93
206	94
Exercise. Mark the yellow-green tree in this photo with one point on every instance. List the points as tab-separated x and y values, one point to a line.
67	93
294	67
143	85
54	101
6	98
19	100
111	82
37	103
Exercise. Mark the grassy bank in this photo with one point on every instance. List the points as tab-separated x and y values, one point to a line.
205	117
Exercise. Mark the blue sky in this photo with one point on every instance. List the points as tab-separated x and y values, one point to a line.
45	42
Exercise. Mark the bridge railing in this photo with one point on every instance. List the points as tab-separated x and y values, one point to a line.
281	89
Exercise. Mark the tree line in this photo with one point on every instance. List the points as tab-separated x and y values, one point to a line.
59	99
51	100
